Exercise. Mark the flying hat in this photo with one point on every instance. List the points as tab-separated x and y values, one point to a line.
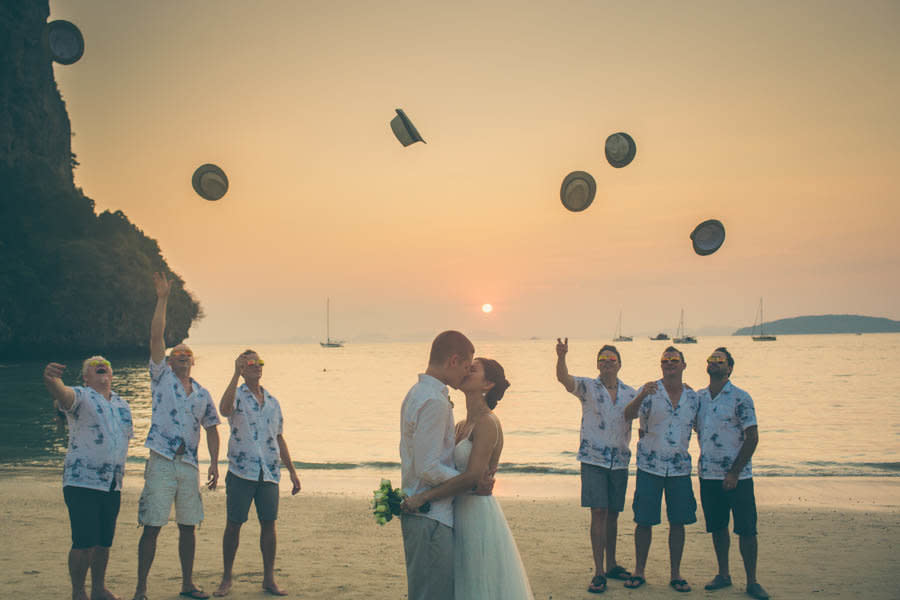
577	192
63	41
620	149
708	237
405	131
210	182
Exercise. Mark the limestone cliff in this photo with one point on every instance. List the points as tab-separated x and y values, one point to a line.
71	281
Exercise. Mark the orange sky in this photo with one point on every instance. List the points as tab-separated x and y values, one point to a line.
780	119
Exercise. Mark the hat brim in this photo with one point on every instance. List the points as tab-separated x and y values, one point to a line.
203	191
566	192
708	237
63	42
620	161
405	131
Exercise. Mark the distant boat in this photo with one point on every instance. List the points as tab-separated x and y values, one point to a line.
757	332
659	337
329	343
680	338
619	337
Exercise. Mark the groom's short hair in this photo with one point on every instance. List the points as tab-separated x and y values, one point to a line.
447	344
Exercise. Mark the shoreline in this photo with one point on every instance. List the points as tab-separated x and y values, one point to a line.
330	547
864	492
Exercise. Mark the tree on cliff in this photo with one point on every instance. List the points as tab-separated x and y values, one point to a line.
71	282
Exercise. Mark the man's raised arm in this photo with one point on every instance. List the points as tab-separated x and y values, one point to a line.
63	395
158	325
562	370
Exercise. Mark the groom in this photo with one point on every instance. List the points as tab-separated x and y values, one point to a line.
426	457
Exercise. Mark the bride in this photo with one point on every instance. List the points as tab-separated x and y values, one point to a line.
486	565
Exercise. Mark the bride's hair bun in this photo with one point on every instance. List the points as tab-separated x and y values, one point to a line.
494	373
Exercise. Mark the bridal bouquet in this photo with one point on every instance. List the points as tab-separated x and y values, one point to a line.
387	502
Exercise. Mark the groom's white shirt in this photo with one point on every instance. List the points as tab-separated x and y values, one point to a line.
426	443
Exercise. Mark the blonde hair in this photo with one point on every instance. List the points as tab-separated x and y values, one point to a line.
84	365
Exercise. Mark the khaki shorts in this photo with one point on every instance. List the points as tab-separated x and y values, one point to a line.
167	481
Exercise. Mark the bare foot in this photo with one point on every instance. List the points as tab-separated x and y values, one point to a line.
103	594
272	588
223	588
79	595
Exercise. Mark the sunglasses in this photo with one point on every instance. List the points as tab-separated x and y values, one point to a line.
672	359
252	362
604	358
182	353
716	360
99	363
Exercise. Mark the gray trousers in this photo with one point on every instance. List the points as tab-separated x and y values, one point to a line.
428	546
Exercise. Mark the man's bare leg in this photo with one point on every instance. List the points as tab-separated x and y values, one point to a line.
186	545
598	537
230	541
79	562
643	536
612	531
676	549
722	544
267	544
99	558
146	552
748	546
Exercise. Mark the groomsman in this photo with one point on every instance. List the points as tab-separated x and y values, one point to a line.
181	408
603	452
728	435
99	429
255	448
668	413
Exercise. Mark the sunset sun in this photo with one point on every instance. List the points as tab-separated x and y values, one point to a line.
486	308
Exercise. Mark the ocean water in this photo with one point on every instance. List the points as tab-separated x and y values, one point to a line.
827	405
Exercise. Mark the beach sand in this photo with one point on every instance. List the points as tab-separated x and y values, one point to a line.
818	538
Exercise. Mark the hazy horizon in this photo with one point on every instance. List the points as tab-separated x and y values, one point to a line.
778	119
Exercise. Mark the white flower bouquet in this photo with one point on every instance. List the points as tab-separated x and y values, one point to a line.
387	501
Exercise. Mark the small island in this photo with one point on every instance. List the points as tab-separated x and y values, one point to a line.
815	324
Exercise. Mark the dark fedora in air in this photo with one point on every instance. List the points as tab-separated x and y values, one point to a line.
210	182
63	41
708	237
405	131
620	149
578	189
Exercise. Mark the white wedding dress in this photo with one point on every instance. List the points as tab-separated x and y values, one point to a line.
487	565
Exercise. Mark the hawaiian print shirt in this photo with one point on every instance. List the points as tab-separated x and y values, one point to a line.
720	430
605	433
177	417
99	430
666	432
253	444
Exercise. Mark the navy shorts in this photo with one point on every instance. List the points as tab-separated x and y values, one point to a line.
681	507
240	492
603	488
719	504
92	515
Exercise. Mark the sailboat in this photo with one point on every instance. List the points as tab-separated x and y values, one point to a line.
758	327
680	337
619	337
329	343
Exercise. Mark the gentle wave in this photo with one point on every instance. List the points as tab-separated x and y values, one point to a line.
806	469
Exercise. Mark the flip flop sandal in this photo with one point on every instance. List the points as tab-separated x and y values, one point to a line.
618	572
636	581
598	585
680	585
718	582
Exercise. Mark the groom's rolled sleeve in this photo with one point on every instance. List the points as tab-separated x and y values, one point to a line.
434	419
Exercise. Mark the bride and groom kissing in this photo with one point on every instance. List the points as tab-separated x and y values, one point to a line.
462	547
